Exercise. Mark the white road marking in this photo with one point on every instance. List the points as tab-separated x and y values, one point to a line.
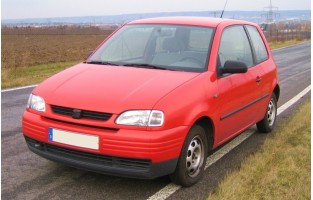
293	100
18	88
227	148
171	188
165	192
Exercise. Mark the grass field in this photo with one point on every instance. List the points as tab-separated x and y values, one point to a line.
30	56
281	167
30	59
276	45
13	77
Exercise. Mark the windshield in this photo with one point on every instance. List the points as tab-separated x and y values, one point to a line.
172	47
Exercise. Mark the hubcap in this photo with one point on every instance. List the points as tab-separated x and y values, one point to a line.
195	156
271	113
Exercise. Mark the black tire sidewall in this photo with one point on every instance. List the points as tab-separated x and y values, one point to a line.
263	125
181	176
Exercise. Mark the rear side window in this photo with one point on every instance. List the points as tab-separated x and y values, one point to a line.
235	46
258	44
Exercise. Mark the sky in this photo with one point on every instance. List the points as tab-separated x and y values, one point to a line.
22	9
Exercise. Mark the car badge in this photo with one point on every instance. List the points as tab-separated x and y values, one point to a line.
77	114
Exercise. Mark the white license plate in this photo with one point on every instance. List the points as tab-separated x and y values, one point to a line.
74	139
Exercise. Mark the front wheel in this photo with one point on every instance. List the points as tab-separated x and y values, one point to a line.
190	166
267	124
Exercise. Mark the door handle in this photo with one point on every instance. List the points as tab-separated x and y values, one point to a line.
258	79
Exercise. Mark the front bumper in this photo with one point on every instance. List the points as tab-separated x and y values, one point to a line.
111	165
130	153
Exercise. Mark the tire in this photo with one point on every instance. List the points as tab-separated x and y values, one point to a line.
192	159
267	124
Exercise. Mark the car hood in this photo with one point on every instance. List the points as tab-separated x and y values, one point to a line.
111	89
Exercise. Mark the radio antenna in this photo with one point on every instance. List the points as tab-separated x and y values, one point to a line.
224	9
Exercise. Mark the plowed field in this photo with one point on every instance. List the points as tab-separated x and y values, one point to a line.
30	50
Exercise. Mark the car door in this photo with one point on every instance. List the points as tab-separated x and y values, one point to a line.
268	67
239	94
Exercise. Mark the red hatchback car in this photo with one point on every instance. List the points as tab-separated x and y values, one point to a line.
155	97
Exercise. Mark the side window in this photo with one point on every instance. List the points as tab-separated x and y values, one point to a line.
234	45
258	44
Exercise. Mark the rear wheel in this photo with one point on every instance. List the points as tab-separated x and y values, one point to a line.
267	124
190	166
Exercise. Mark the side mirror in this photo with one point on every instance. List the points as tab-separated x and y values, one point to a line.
234	67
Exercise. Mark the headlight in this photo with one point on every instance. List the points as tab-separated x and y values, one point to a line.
141	118
36	103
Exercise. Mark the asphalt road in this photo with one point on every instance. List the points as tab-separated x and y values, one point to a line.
28	176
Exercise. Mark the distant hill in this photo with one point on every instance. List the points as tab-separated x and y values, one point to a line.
254	16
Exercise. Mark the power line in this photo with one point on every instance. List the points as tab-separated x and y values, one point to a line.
271	13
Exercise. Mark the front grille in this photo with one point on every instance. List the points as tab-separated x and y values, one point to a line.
83	125
112	161
83	113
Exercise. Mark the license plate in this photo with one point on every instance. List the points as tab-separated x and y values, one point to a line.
74	139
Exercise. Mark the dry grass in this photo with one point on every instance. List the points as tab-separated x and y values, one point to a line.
14	77
276	45
279	170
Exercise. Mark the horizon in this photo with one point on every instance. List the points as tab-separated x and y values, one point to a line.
211	12
34	9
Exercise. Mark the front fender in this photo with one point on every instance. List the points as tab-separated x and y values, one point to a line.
190	101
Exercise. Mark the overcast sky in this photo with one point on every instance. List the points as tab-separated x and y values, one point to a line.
20	9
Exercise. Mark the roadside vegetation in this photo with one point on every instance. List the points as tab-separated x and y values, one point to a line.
13	77
280	169
276	45
30	55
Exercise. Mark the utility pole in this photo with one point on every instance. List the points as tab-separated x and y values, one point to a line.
213	13
271	13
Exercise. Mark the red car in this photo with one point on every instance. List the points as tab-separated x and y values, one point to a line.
155	97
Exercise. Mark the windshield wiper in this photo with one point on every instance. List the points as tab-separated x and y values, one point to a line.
144	65
102	63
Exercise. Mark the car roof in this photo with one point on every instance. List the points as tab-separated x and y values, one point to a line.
195	21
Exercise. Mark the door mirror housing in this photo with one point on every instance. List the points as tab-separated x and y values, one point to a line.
234	67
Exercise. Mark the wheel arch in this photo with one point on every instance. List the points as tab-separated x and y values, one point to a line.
207	124
277	91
